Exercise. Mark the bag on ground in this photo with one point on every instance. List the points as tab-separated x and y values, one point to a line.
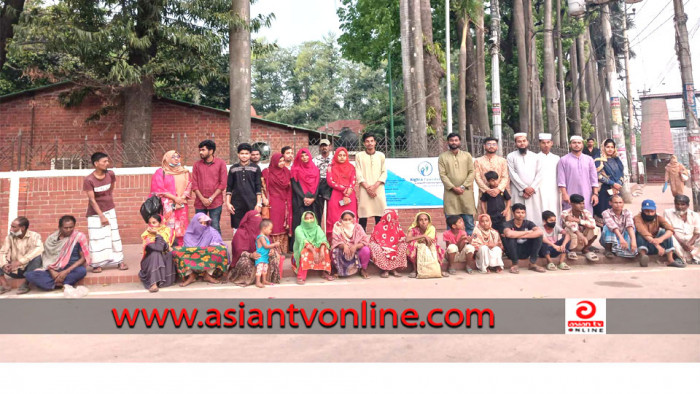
427	262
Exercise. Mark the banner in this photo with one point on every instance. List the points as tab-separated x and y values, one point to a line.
413	183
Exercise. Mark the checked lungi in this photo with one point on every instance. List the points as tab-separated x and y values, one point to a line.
105	243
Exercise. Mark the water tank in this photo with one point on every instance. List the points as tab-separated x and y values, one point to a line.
577	7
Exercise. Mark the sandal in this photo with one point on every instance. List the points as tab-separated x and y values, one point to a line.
301	281
572	256
153	289
96	270
514	269
452	271
394	273
413	275
364	274
470	271
609	255
536	268
384	274
563	266
590	256
123	267
551	267
4	289
328	277
445	274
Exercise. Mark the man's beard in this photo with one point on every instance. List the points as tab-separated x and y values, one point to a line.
522	150
491	150
455	146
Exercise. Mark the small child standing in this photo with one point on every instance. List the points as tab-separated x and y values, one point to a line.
263	249
498	208
554	242
458	245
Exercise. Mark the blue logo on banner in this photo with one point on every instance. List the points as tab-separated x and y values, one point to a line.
425	168
403	193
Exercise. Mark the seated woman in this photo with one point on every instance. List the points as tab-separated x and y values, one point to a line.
388	244
157	269
422	232
64	258
349	245
204	251
488	246
310	249
244	255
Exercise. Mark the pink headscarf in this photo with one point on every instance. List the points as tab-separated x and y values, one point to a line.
307	174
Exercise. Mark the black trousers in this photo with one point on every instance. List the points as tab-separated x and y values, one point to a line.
363	222
528	249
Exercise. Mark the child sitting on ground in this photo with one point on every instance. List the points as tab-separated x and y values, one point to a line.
458	245
498	208
263	249
488	245
554	242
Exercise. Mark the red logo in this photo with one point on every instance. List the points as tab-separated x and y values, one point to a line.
585	311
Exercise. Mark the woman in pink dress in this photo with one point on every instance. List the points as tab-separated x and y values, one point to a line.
341	178
172	183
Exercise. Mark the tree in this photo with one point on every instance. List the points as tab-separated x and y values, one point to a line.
523	81
550	76
10	11
413	76
239	80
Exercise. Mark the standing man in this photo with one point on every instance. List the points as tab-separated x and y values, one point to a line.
20	254
103	230
590	148
576	174
255	155
323	161
548	191
243	186
370	173
288	154
491	162
456	169
525	177
209	177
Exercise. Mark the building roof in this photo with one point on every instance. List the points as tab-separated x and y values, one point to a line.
334	127
656	128
254	118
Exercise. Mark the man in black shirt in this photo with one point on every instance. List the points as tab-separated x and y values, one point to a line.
243	188
498	208
590	148
522	238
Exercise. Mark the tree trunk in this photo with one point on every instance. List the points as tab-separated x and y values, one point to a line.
136	130
575	110
9	16
535	88
605	103
239	77
472	117
481	103
523	81
463	28
563	131
550	78
433	71
418	140
581	57
406	61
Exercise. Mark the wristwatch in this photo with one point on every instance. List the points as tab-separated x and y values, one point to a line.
463	188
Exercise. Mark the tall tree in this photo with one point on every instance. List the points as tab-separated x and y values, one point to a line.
550	76
481	107
561	84
239	80
10	11
433	70
523	74
413	76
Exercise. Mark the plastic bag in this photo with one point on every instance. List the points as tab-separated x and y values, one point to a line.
150	206
427	261
75	292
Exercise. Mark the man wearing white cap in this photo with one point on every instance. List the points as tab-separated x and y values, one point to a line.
576	174
525	177
549	189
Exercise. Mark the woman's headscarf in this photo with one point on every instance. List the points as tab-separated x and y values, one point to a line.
163	230
603	158
308	232
430	231
387	233
276	177
201	236
481	218
170	170
352	234
248	230
342	172
307	174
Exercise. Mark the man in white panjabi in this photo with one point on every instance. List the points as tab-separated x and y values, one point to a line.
549	189
525	178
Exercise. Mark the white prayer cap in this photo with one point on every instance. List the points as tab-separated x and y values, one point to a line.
576	138
516	135
545	136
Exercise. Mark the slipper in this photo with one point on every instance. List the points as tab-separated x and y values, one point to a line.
445	274
563	266
301	281
123	267
643	260
470	271
395	274
96	270
590	256
412	275
677	263
483	272
452	271
328	277
4	289
551	267
499	270
514	270
536	268
384	274
572	256
609	255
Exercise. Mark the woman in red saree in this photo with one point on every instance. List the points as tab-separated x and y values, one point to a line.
278	195
173	185
341	179
388	244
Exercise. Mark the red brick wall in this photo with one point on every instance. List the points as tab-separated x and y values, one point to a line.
53	122
44	200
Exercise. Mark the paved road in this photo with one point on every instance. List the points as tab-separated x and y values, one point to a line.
597	281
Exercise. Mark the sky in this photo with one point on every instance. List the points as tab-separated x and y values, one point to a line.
655	67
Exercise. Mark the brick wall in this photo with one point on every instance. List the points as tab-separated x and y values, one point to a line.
44	200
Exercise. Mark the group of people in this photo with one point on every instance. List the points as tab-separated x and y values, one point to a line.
282	209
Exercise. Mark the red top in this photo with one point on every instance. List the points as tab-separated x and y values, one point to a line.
207	177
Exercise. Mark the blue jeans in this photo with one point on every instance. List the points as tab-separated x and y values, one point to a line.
43	280
214	214
468	222
549	250
651	250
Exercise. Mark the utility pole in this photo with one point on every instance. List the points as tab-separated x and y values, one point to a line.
617	134
495	73
391	104
448	86
691	118
630	102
